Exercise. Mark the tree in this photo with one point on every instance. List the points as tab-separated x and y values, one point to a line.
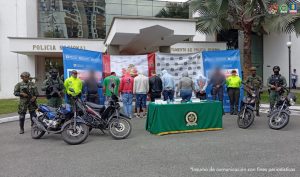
249	16
175	10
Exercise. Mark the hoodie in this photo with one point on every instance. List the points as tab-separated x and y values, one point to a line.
167	81
185	83
201	82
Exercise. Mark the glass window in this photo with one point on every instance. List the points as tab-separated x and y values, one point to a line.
113	9
133	2
88	18
72	18
129	10
145	3
113	1
145	11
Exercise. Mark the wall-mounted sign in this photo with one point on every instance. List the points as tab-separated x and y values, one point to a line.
273	8
194	47
293	8
283	8
50	47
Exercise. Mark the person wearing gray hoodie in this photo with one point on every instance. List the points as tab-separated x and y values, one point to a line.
185	87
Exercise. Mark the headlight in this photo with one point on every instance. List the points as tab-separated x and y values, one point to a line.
292	102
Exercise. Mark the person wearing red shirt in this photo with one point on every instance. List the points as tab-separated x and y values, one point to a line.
125	90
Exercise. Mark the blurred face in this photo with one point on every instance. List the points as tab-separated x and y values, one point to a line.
234	73
92	74
253	72
74	74
25	78
54	74
276	71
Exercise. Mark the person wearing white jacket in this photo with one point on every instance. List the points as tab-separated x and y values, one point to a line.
140	89
201	83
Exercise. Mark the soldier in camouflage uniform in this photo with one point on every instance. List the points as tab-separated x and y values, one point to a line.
27	91
255	82
53	86
276	83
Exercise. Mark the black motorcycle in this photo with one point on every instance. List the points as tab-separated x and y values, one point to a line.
106	118
246	115
279	117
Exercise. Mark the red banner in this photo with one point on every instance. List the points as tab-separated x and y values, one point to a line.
151	63
106	65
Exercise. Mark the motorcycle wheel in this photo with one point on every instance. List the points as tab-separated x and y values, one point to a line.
246	121
36	132
119	128
278	122
75	137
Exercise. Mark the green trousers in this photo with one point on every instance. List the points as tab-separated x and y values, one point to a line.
274	97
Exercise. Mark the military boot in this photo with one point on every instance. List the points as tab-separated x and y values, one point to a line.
257	113
21	123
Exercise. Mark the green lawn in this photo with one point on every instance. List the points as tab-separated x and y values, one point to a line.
265	97
11	105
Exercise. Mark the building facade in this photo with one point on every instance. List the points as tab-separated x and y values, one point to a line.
33	32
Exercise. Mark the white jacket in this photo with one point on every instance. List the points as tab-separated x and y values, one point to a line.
141	84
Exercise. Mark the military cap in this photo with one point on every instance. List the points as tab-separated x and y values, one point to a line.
253	68
25	74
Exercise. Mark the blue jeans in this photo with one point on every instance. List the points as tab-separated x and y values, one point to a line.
168	94
141	100
127	103
186	94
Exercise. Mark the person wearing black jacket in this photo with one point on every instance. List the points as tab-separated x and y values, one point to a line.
91	86
155	86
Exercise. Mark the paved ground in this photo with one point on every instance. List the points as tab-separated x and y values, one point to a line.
142	154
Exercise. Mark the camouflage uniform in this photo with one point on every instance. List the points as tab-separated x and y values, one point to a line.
256	83
53	88
278	81
26	103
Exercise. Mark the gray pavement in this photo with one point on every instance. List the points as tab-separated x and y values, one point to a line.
144	155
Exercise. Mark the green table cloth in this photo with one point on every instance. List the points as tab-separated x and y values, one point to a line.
165	119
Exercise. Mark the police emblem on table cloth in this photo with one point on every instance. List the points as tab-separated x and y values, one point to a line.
191	119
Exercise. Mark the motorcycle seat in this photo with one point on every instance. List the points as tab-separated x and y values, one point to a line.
52	109
96	106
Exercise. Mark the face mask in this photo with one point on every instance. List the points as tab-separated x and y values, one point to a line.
276	72
54	76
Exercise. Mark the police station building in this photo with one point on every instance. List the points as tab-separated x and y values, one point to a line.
33	33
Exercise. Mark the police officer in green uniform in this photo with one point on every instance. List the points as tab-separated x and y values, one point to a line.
53	86
255	82
27	91
276	83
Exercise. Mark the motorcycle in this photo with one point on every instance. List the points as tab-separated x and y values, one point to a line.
106	118
50	120
75	131
279	117
61	120
246	114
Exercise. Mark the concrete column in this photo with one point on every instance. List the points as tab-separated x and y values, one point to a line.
113	50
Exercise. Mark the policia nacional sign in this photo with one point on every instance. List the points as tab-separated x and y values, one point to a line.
165	119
